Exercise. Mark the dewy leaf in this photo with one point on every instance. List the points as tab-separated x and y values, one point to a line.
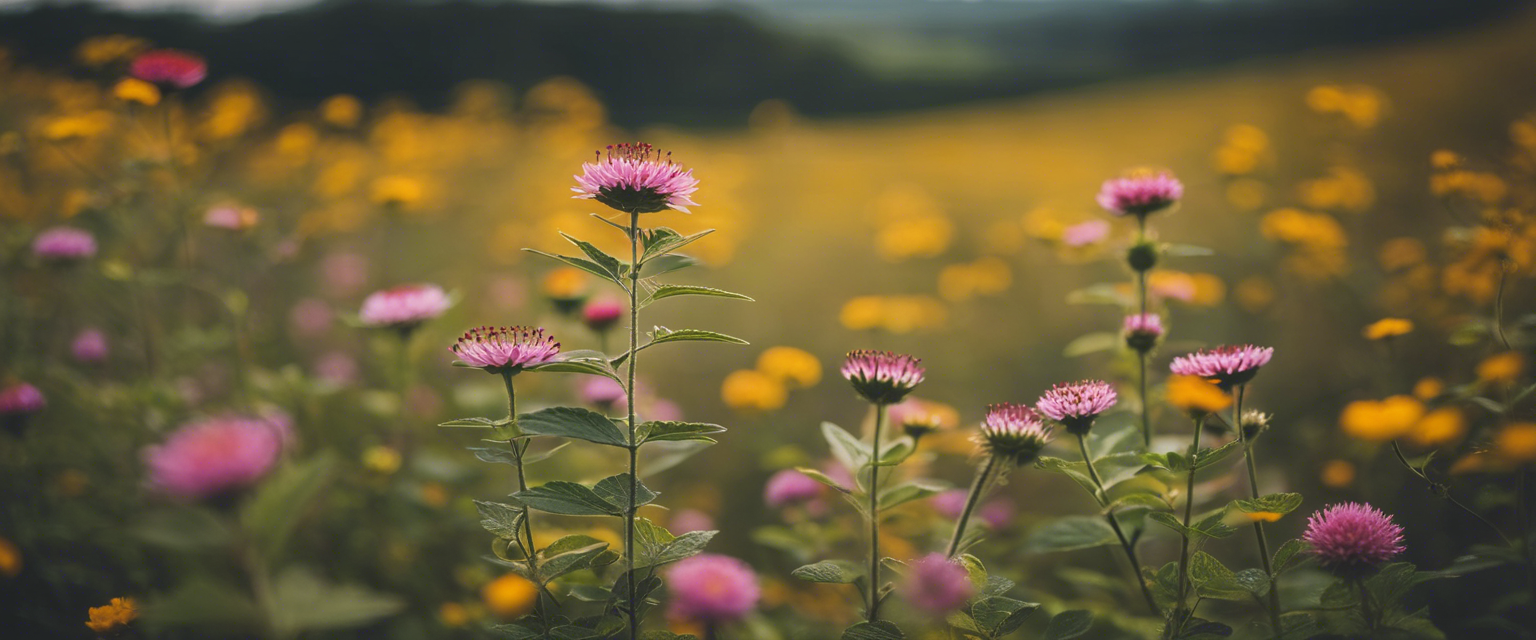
830	571
573	422
668	431
615	491
674	290
1069	624
608	263
567	498
1212	579
1070	532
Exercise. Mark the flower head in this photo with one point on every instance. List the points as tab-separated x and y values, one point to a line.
792	366
1076	404
509	596
1387	328
937	585
215	456
18	401
505	349
789	486
882	377
1142	331
1140	193
918	417
1352	537
64	244
1014	432
604	392
90	345
118	613
169	67
404	307
1227	366
637	178
712	588
602	314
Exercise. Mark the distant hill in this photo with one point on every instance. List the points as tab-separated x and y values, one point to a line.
712	65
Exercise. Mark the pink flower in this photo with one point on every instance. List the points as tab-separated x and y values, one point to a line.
936	585
602	314
664	410
1228	366
169	67
689	521
64	244
605	393
1014	432
882	377
20	398
949	503
996	513
344	273
712	588
506	349
337	368
1140	193
1352	537
1085	233
404	307
1076	404
310	317
90	345
788	486
1142	331
231	217
214	456
636	178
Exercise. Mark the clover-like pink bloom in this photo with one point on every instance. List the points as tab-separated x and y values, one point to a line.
1083	234
90	345
1076	404
1142	331
937	585
602	314
506	349
788	486
637	178
1014	432
169	67
712	588
882	377
1140	193
1228	366
64	244
20	398
215	456
1351	537
404	307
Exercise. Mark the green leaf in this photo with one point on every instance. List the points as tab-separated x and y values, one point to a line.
897	452
1091	343
1254	581
667	431
850	452
823	478
1000	615
666	264
662	240
584	361
663	334
881	630
204	604
909	491
301	601
674	290
657	546
1097	294
476	423
615	490
666	635
1069	469
585	265
1213	579
1281	503
830	571
1069	624
1208	457
573	422
182	528
567	498
571	553
273	513
1212	526
1070	532
1186	250
502	520
609	264
1288	555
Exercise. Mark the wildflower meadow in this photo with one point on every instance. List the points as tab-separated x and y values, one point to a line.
1247	352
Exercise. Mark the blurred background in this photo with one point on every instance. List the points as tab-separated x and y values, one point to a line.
895	174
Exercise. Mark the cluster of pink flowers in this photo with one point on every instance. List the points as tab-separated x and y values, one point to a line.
1140	194
506	349
90	345
215	456
169	67
1352	537
1014	432
405	306
937	585
882	377
1228	366
64	244
712	588
1076	404
637	178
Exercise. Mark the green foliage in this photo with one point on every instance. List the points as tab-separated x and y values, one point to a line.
673	290
1069	624
830	571
567	498
881	630
1281	503
574	422
655	546
677	432
274	511
1070	532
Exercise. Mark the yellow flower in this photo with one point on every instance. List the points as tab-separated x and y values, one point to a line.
1501	368
381	459
564	283
434	494
1196	396
1381	420
790	365
87	125
1428	388
749	390
1516	442
1255	293
101	51
136	91
509	596
1263	516
118	613
925	236
397	191
863	312
1400	253
453	615
1442	426
1445	159
1388	328
1338	473
342	111
10	559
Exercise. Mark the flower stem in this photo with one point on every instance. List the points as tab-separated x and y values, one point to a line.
1445	492
874	518
1141	276
518	449
629	392
1366	610
1189	509
1102	498
1258	527
978	487
1146	407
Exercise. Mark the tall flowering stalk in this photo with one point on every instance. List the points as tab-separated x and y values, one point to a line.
1351	540
1012	435
1198	399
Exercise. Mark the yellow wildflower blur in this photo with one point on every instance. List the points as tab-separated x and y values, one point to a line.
751	390
509	596
1388	328
101	51
341	111
1381	420
1359	105
397	191
788	364
1338	473
452	615
1502	368
1428	388
564	283
896	314
114	615
10	559
987	276
381	459
1196	396
136	91
1516	443
1442	426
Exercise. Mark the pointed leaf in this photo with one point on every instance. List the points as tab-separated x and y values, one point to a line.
567	498
668	431
674	290
615	491
573	422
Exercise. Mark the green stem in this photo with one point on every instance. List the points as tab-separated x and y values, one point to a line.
1258	527
1146	407
629	392
1141	276
1366	610
1498	305
874	518
1189	510
978	487
1445	492
1102	498
518	449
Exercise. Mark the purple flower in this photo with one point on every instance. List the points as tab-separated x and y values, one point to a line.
637	178
605	393
344	273
404	307
90	345
64	244
689	521
169	67
1142	331
1228	366
712	588
602	314
1076	404
949	503
20	398
789	486
996	513
1352	537
1140	193
937	585
214	456
506	349
1014	431
882	377
1085	233
337	367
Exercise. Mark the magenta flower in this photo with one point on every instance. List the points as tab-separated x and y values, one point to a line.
404	307
788	486
606	393
1352	537
1140	193
1142	331
996	513
637	178
602	314
689	521
506	349
1085	233
882	377
1076	404
1228	366
937	585
712	588
169	67
20	398
90	345
214	456
64	244
950	503
1014	432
